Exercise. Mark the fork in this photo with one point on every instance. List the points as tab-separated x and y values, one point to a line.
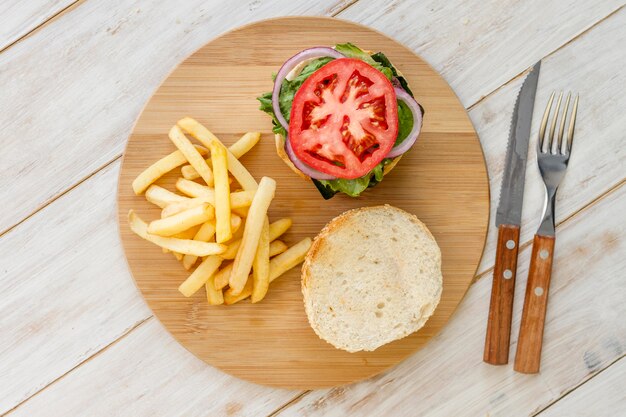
552	159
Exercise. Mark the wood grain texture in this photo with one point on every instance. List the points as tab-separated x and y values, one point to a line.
122	51
530	339
442	180
18	18
602	396
451	35
147	373
498	333
448	376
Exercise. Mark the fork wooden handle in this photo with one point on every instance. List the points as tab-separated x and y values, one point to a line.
528	355
501	307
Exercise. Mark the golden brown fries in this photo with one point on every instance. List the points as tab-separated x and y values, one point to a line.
277	247
182	221
185	246
290	258
160	168
261	264
202	134
162	197
193	156
200	276
252	231
223	231
213	296
238	149
204	234
225	218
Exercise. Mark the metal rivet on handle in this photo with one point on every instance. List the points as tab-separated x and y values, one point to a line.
538	291
507	274
510	244
544	254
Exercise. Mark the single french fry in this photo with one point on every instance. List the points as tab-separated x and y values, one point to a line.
160	168
185	234
213	296
162	197
278	266
244	144
238	199
290	258
200	276
235	224
231	298
238	149
261	264
276	230
252	231
222	276
204	234
182	221
277	247
193	156
202	134
192	247
175	208
223	231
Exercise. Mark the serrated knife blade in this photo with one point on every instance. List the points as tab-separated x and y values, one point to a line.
512	188
508	219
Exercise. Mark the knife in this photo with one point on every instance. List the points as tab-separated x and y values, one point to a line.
508	219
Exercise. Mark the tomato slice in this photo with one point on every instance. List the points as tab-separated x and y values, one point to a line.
344	119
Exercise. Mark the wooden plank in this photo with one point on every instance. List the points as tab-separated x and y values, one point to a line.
18	18
66	290
479	47
587	65
148	373
583	335
107	61
603	396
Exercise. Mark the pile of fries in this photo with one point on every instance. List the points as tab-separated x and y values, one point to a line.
213	224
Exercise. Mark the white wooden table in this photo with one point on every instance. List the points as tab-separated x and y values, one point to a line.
77	339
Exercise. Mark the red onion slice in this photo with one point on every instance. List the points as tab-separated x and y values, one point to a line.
311	172
290	64
408	142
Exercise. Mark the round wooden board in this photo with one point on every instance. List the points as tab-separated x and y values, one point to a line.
443	180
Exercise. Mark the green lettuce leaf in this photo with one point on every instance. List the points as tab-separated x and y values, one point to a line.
353	51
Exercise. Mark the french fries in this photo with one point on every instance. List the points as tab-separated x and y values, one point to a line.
213	296
252	231
192	247
277	247
223	231
261	264
161	197
278	266
193	156
202	134
160	168
217	222
238	149
182	221
204	234
200	276
238	199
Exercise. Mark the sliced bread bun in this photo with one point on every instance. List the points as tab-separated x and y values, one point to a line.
373	275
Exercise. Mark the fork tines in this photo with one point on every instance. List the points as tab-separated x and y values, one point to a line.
559	145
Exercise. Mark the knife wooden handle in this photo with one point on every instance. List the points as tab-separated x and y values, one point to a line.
501	307
528	355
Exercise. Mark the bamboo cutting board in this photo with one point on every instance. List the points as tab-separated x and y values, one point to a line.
443	180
